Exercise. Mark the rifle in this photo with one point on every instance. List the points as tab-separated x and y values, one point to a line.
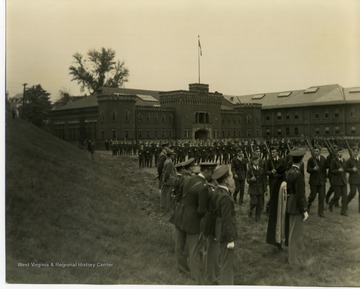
269	154
249	164
311	148
349	148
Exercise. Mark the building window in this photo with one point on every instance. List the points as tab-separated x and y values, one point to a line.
140	133
279	131
170	134
147	134
296	116
248	132
267	118
156	134
223	134
163	118
287	117
336	130
353	130
114	115
114	135
126	134
234	133
140	117
279	116
148	117
327	130
248	119
317	115
127	115
155	117
102	116
317	131
202	117
287	130
267	132
336	113
296	130
326	115
352	113
258	133
163	134
102	134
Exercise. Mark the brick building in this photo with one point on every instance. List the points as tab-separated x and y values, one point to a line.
134	114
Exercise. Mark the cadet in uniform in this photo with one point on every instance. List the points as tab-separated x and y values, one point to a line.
353	168
316	167
238	169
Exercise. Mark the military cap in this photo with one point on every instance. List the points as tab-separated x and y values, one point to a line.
207	164
297	153
179	165
220	172
317	147
164	144
188	162
338	149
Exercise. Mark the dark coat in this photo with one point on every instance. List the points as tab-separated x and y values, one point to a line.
296	202
195	200
317	177
257	187
354	176
338	178
239	167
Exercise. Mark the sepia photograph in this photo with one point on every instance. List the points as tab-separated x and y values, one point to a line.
181	143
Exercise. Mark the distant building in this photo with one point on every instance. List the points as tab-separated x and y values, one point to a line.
328	110
135	114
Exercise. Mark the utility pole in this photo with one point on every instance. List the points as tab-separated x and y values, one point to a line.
23	100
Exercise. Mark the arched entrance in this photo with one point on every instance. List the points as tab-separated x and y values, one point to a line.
201	134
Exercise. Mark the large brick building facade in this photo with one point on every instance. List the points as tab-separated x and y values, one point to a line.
132	114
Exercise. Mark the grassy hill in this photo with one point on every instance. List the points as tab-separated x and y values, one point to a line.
65	211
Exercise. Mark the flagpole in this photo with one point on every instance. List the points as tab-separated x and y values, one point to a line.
199	56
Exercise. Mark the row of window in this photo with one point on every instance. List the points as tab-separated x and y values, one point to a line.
317	115
336	131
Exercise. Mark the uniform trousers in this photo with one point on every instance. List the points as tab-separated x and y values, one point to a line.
320	190
195	262
165	197
353	189
296	239
239	189
227	263
181	251
257	203
212	267
340	191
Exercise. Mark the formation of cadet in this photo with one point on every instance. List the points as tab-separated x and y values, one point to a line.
203	205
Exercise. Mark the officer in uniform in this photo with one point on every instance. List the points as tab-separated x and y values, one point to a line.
193	206
239	169
296	207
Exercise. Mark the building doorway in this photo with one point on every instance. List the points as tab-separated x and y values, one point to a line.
201	134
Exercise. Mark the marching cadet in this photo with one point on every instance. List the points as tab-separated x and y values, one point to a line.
256	179
316	167
353	168
238	169
339	182
296	207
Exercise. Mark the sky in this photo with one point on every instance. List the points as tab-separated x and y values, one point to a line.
248	46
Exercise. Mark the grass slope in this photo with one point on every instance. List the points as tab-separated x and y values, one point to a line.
62	207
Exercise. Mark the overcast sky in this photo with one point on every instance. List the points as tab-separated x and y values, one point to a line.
248	47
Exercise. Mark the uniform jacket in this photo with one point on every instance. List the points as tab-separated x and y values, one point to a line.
296	201
338	178
195	201
269	167
239	168
317	177
225	229
257	187
354	177
168	175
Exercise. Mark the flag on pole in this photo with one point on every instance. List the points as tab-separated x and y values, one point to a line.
200	47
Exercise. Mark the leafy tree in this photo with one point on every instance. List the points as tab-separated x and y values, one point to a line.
36	105
98	69
63	99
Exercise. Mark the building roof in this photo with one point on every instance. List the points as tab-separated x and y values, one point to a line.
145	98
315	95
